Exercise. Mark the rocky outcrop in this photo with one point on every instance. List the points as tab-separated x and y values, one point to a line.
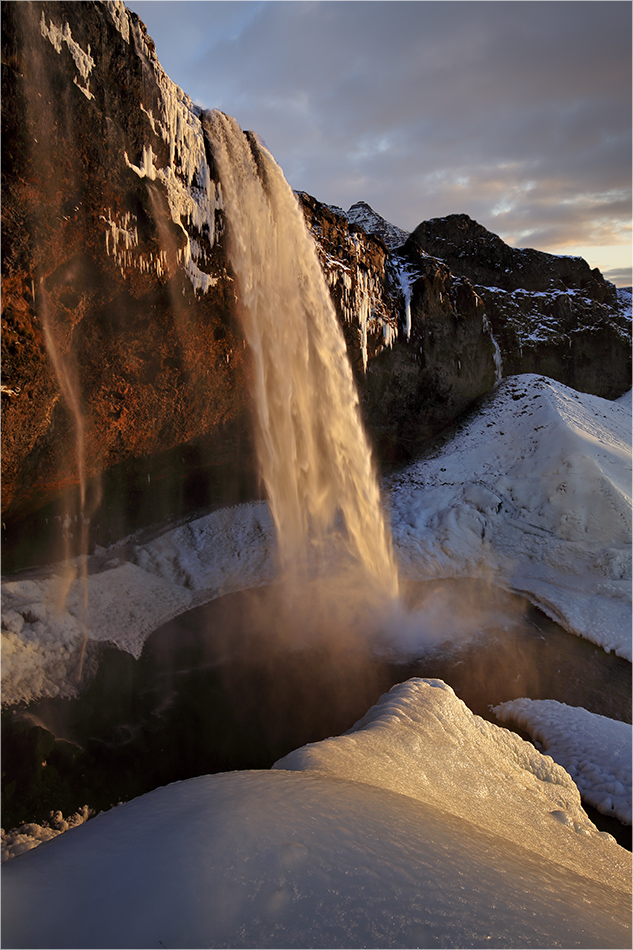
549	314
473	252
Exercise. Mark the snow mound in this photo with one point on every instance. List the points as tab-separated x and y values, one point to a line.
535	489
422	741
595	750
299	859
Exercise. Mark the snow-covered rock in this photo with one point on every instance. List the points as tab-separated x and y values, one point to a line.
370	221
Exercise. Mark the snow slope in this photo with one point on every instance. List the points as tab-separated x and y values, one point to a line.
595	750
330	859
535	491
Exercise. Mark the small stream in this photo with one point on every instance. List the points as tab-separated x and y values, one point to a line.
219	688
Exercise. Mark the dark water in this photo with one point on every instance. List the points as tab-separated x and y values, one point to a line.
222	688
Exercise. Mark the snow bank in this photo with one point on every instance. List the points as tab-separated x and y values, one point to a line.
133	588
422	741
331	859
595	750
535	490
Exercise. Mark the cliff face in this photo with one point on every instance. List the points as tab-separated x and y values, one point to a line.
117	303
123	361
549	314
418	337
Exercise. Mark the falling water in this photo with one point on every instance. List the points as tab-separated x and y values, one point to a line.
314	456
75	556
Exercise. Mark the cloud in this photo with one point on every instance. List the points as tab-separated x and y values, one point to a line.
517	113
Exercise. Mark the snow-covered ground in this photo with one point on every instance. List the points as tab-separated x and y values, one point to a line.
422	827
535	491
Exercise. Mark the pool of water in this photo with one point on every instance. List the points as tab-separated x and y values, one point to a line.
230	685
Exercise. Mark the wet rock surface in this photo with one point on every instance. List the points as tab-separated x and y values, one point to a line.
102	317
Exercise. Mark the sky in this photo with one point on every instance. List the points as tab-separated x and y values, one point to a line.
515	113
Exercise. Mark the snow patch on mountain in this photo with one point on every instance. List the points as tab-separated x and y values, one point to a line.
364	216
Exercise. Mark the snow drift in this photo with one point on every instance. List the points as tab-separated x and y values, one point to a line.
365	851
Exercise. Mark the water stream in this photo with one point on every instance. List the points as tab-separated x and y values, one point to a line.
315	460
75	523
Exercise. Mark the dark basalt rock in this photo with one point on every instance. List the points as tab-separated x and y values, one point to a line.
472	251
549	314
424	381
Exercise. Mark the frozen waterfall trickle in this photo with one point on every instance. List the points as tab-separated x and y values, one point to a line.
313	452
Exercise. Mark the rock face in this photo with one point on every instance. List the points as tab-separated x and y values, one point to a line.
473	252
125	372
117	306
418	338
549	314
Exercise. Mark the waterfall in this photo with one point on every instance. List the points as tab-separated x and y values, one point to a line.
314	457
74	565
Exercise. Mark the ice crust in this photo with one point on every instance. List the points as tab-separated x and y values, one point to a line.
420	740
595	750
356	854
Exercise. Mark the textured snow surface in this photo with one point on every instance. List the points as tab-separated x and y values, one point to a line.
595	750
325	859
422	741
534	490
